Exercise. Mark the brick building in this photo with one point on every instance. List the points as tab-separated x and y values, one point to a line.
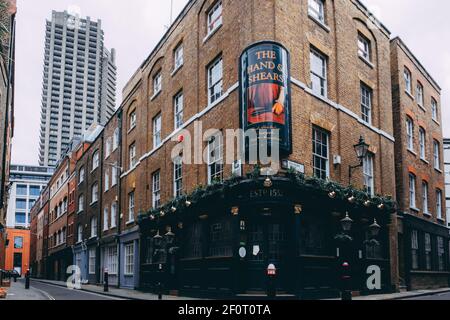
193	74
423	233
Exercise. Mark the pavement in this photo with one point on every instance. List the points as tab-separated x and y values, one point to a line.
438	294
17	291
125	294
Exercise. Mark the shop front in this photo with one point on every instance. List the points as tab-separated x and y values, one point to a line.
219	241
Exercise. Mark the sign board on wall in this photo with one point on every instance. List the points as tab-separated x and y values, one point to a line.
265	91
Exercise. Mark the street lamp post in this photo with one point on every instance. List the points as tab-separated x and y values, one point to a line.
361	148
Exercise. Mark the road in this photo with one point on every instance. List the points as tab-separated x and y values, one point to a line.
53	292
437	297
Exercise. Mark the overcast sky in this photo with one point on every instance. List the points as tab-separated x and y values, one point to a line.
134	27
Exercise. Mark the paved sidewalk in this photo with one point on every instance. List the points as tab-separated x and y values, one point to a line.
115	292
17	291
401	295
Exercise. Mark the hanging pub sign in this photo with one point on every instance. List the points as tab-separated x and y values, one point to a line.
265	92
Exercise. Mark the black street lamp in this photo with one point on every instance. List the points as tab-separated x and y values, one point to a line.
374	229
361	149
346	223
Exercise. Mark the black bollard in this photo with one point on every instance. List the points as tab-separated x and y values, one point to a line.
1	278
271	287
106	282
346	278
27	280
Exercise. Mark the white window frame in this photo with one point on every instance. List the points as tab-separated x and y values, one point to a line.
129	259
106	180
114	207
111	259
364	50
415	249
419	94
80	233
94	227
366	104
322	76
108	148
81	175
116	139
95	160
178	57
81	203
437	155
156	189
132	155
408	80
215	80
215	18
439	204
157	83
368	171
94	193
423	143
316	133
412	191
133	120
410	134
114	175
425	197
131	207
317	13
157	128
105	219
92	260
178	110
215	158
434	109
428	251
177	177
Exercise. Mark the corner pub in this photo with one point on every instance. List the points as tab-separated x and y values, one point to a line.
212	230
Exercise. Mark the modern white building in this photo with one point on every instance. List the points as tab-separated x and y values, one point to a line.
447	177
26	184
79	83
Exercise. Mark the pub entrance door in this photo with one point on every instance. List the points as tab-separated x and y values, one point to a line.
266	244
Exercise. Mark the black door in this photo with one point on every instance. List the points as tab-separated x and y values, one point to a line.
266	244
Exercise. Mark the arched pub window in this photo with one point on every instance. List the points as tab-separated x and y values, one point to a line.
313	237
193	241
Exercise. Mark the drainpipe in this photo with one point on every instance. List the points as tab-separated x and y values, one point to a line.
119	196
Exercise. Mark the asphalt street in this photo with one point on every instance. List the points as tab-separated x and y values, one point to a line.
52	292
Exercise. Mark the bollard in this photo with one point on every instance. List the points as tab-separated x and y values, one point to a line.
271	287
160	286
106	281
346	282
1	278
27	280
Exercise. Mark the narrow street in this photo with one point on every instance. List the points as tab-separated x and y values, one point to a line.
43	291
436	297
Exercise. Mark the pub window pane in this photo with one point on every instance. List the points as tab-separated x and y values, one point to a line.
414	249
368	174
193	243
215	17
428	251
220	238
318	64
320	146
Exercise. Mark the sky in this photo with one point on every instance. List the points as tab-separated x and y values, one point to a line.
134	27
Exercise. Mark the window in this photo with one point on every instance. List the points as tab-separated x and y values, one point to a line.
428	251
35	191
220	238
21	218
105	219
412	191
320	146
156	187
178	177
80	233
114	172
419	94
422	142
18	242
178	57
132	153
439	204
95	160
81	203
193	247
215	17
92	261
316	10
408	83
441	253
414	250
129	259
111	259
157	131
434	109
131	207
78	260
437	155
93	227
116	139
81	175
425	197
215	159
364	47
410	133
94	193
133	120
366	104
318	73
108	148
215	80
368	174
21	190
178	110
106	180
157	83
21	204
113	215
